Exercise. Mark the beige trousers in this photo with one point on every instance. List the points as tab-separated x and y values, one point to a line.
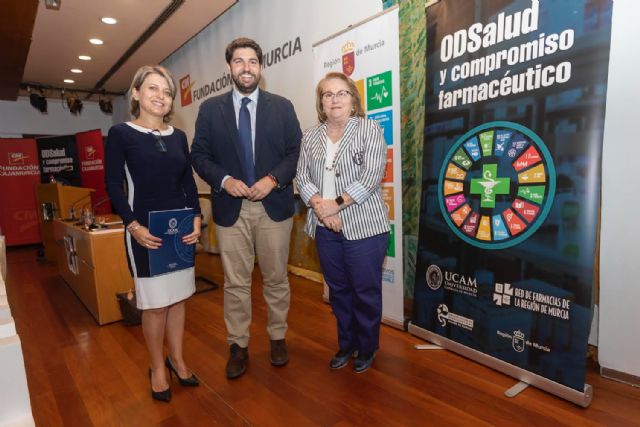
255	234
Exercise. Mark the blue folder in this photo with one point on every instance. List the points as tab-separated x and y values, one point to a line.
173	255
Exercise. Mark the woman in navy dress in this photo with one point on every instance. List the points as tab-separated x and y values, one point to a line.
151	159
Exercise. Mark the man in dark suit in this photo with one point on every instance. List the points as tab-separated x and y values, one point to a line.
246	148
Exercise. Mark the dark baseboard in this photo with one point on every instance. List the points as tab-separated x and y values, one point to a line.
623	377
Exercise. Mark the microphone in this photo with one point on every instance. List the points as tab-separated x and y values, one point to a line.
88	217
56	177
102	223
102	201
73	206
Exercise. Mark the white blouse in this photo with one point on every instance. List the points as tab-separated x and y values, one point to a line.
329	174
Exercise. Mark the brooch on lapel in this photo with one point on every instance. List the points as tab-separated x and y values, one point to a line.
358	158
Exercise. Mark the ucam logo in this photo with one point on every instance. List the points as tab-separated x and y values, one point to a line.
173	224
451	281
460	279
434	277
185	90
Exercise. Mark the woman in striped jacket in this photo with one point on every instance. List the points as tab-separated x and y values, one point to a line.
341	165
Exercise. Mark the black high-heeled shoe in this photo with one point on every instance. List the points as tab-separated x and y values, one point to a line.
163	396
192	381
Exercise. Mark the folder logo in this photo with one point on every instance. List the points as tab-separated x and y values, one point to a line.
185	90
17	158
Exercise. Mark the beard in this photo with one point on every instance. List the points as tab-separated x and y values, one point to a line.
243	87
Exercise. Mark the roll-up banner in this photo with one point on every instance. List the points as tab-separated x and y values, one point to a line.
368	52
511	180
91	156
59	160
19	175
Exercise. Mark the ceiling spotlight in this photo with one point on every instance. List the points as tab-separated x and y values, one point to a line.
96	41
108	20
84	57
69	81
74	104
38	101
52	4
76	70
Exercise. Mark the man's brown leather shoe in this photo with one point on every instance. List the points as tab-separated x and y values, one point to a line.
238	361
279	353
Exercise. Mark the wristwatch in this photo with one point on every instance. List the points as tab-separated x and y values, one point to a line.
276	184
339	200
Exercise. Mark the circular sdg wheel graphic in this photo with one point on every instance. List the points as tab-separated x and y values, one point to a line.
185	252
496	185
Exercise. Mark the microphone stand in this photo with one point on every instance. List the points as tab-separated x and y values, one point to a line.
89	219
57	177
86	218
73	205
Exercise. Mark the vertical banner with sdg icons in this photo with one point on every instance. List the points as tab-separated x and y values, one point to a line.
369	54
510	189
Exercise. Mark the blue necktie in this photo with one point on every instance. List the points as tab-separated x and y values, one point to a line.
244	132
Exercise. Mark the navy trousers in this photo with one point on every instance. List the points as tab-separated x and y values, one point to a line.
353	272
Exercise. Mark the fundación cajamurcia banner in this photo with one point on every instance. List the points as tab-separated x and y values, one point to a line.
515	110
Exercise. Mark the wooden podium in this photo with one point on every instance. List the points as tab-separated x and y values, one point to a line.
55	201
94	265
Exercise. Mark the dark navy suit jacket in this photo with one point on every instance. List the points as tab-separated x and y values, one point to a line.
216	152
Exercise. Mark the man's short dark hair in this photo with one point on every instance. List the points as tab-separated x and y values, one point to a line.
242	42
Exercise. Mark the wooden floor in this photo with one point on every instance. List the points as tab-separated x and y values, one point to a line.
81	374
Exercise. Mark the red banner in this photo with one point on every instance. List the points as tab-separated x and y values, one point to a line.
19	175
91	155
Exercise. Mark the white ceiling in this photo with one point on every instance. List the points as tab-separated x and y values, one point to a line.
59	36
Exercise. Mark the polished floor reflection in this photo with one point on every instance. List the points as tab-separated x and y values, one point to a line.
81	374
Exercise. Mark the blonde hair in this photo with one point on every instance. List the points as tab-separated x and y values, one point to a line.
139	78
356	109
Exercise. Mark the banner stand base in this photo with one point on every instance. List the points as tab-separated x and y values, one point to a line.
574	396
516	389
427	347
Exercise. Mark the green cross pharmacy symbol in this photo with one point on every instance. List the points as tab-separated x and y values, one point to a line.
489	186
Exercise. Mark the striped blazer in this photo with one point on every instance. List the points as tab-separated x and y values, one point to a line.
359	166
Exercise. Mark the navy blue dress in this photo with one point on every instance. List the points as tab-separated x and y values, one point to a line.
153	181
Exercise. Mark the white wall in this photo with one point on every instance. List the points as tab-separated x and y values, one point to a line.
619	346
121	109
19	117
272	23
